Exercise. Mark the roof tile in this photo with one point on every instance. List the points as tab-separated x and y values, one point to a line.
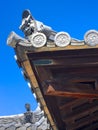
19	122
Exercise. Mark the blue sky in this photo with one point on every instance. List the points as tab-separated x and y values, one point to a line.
72	16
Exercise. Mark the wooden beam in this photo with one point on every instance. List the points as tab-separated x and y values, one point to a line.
74	103
85	121
81	113
70	47
72	94
35	86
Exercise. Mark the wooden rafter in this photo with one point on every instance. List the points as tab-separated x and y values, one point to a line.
52	92
72	94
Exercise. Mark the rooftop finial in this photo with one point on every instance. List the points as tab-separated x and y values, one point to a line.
27	106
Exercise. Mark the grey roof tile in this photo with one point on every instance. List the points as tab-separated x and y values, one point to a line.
21	122
12	127
2	128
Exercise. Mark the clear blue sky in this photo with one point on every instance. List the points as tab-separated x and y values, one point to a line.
72	16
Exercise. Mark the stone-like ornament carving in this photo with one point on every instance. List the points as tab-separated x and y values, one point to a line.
38	35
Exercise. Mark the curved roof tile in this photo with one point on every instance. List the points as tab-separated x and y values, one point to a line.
19	122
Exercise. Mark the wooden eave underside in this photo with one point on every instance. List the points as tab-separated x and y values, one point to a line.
72	73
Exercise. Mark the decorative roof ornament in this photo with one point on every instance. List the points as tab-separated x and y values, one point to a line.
14	39
28	115
38	35
38	39
62	39
91	37
27	106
